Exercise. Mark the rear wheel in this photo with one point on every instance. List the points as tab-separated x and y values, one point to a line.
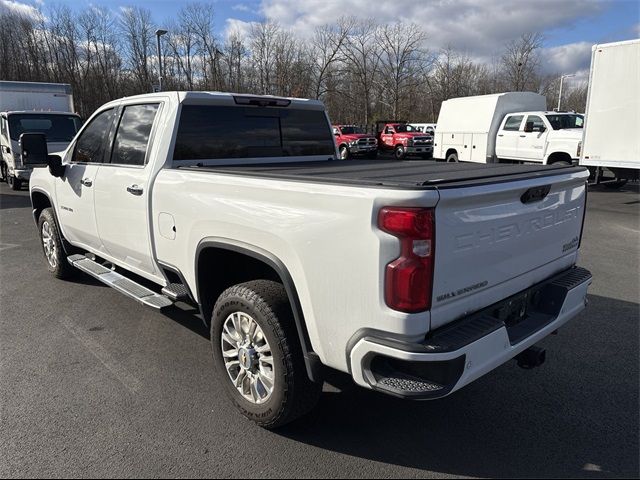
452	157
258	355
399	152
615	184
52	245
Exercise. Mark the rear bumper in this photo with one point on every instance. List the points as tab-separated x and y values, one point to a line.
459	353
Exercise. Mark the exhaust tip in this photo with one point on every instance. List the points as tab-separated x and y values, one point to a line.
532	357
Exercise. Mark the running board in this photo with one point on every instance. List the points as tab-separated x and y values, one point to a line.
120	282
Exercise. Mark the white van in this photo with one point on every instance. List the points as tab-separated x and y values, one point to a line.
513	127
30	107
612	130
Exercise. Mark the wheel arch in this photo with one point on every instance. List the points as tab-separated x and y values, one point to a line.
39	201
249	263
558	156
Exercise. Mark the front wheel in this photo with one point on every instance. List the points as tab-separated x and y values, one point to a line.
399	152
3	172
344	152
452	157
258	355
52	245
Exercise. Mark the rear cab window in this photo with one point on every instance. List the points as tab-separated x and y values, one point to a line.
512	123
132	137
237	132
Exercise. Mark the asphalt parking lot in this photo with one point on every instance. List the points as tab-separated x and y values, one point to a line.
94	385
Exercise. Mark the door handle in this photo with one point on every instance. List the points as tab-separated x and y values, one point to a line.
87	182
523	136
135	190
500	135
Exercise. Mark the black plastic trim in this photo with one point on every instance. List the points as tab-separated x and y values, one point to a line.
176	270
312	361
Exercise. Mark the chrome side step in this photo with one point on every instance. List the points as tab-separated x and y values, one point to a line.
120	282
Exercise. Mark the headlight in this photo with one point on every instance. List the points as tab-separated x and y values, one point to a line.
579	152
353	143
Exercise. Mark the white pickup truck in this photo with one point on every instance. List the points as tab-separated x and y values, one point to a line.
414	278
507	127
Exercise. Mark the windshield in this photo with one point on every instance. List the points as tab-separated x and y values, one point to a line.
406	128
558	122
350	130
57	128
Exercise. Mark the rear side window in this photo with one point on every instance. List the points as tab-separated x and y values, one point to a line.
90	146
537	122
214	132
132	137
513	122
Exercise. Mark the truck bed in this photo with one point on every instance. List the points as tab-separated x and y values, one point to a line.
407	174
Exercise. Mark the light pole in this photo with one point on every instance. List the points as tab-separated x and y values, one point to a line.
560	93
159	33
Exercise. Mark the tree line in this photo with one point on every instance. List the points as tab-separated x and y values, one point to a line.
363	70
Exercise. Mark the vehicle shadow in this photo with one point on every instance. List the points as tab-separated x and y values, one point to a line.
576	416
8	201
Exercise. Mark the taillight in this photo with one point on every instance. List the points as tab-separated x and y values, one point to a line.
409	278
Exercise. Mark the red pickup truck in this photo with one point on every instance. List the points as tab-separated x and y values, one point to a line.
352	140
405	139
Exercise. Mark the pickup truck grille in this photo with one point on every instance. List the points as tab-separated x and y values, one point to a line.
367	142
422	140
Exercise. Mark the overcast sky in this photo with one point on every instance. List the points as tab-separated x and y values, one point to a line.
479	28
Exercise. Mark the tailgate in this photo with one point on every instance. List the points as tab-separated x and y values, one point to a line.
494	240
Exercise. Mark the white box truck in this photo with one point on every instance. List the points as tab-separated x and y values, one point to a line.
30	107
511	127
612	128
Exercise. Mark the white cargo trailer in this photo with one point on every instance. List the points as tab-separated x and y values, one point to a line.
469	126
30	107
612	127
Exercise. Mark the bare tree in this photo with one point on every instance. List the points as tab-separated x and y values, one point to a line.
137	28
521	62
326	50
403	61
363	62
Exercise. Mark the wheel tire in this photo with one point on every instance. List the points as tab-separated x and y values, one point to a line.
15	183
452	158
372	155
49	234
344	152
398	152
562	163
266	303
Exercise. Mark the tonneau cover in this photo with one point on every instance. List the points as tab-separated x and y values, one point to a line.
392	173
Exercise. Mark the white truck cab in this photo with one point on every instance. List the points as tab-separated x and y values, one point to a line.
545	137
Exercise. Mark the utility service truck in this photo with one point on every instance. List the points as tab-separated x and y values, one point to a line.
414	278
29	107
506	127
611	144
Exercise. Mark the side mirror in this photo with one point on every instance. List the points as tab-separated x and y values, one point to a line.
528	127
33	149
